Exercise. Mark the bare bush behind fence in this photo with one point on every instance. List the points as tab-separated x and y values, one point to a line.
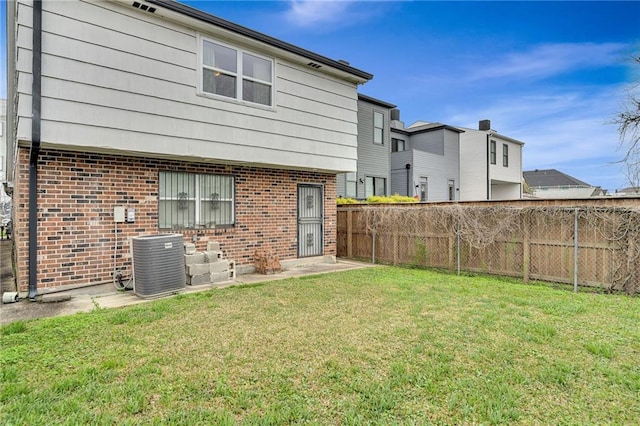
588	245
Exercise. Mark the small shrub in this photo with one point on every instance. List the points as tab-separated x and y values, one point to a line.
375	199
340	201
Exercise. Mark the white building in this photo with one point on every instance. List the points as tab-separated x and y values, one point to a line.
490	165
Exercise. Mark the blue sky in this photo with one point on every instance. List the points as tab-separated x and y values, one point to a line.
551	74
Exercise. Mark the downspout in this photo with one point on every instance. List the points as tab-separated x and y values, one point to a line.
35	148
408	167
488	166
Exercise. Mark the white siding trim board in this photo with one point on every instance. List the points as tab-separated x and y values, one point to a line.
302	103
292	72
98	116
105	57
80	92
327	98
127	20
94	34
190	149
91	75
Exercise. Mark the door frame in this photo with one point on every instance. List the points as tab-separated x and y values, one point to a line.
298	219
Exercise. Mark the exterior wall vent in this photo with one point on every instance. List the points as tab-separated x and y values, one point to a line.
144	7
158	264
314	65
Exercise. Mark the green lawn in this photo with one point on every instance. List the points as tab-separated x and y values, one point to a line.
374	346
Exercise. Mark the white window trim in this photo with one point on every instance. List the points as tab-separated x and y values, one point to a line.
505	155
374	127
238	74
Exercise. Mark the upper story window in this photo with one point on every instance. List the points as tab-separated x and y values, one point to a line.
397	145
236	74
492	152
505	155
378	127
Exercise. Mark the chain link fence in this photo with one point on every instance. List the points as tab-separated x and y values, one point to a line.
597	246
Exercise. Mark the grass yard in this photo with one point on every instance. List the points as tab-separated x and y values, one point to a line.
374	346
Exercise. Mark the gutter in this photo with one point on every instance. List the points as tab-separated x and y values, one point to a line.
408	167
36	103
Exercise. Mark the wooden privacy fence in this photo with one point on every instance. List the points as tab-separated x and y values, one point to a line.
587	245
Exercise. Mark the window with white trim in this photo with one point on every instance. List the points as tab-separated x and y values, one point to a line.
378	127
233	73
195	201
492	151
505	155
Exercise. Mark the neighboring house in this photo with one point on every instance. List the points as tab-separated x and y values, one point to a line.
425	160
372	176
630	191
430	161
490	165
552	183
194	124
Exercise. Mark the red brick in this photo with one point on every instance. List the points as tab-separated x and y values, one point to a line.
93	184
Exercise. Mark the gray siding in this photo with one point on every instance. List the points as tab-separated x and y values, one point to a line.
341	185
433	155
373	159
116	79
399	160
431	142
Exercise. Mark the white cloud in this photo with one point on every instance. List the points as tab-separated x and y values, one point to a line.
316	13
550	60
313	12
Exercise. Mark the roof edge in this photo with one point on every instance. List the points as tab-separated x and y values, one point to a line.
418	130
375	101
258	36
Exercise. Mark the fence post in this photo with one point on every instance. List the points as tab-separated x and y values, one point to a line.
632	284
458	244
350	234
575	250
373	246
395	242
452	252
526	248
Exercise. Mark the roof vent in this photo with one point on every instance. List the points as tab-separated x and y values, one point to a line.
395	114
314	65
144	7
342	61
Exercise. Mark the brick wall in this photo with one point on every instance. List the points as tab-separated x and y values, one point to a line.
77	193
